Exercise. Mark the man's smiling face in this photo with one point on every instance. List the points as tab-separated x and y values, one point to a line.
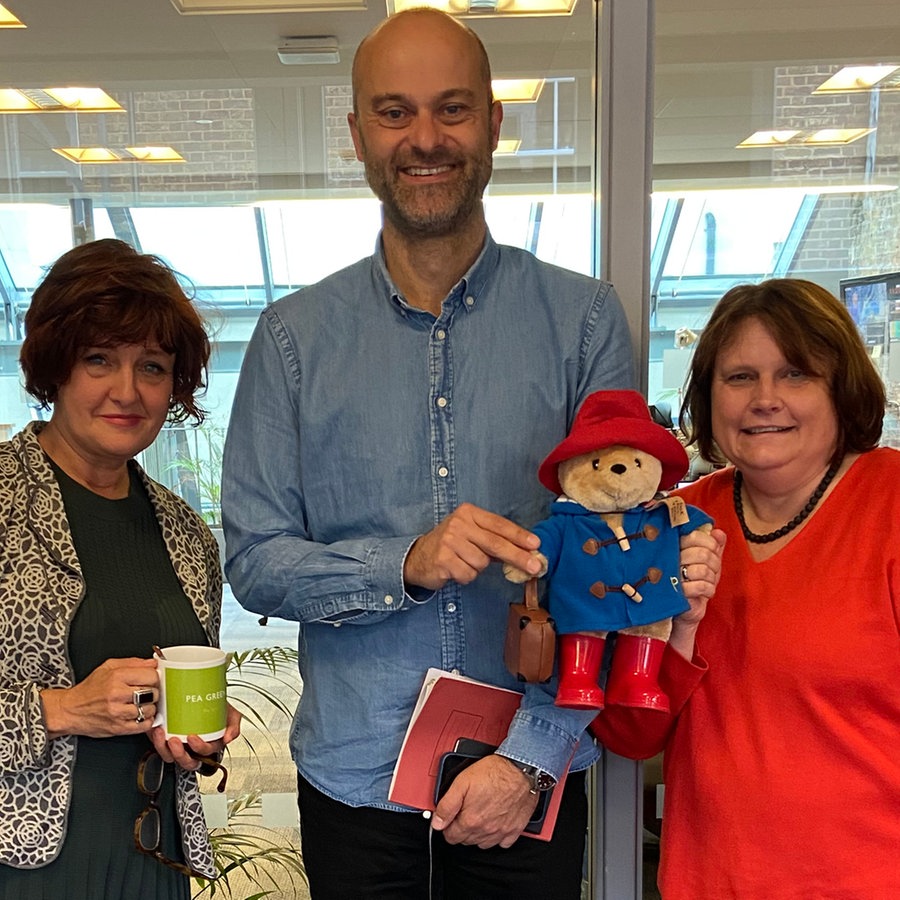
424	125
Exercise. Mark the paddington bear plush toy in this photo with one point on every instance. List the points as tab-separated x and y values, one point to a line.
611	552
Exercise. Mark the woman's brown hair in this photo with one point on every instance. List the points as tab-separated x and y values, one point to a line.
816	334
105	293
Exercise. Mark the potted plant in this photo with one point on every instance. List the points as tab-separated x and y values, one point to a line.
199	473
253	860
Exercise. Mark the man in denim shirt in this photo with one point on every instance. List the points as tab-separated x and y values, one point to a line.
382	455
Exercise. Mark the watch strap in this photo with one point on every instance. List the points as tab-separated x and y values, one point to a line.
540	780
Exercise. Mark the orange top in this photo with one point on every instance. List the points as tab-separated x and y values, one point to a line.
783	771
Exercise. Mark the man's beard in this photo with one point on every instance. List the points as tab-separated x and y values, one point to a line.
430	211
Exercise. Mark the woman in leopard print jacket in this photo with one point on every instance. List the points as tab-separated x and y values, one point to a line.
99	563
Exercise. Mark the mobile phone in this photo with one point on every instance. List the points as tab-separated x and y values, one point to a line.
471	747
468	751
465	751
536	822
452	763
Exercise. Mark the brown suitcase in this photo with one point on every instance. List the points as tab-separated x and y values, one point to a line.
530	638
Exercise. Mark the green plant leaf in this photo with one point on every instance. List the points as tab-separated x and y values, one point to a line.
257	853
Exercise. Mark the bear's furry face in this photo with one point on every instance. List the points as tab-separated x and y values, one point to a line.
614	478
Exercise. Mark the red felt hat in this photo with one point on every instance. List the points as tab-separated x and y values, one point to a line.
616	417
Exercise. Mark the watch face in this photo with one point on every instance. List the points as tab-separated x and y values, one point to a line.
543	781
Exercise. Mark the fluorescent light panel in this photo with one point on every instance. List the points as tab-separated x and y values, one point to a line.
155	154
489	7
92	155
824	137
832	136
858	79
517	90
221	7
8	20
769	138
508	147
67	99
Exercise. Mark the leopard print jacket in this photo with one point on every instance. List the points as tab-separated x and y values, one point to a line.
41	588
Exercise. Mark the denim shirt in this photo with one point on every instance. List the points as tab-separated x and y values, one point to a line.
358	424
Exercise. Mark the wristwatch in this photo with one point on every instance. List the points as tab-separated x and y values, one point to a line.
540	780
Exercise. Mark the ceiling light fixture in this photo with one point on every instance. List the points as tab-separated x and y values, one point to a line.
8	20
835	136
309	51
155	154
93	155
517	90
769	138
824	137
221	7
508	146
489	7
859	79
38	100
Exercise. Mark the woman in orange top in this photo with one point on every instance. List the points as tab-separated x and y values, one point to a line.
782	773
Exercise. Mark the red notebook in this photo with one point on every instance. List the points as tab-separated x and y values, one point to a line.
451	707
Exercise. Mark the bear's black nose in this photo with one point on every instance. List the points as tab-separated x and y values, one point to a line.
618	469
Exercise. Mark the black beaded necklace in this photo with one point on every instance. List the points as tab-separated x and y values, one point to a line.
800	517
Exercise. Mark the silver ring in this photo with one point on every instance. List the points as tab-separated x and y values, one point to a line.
140	716
140	697
684	574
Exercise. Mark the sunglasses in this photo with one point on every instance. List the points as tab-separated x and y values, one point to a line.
148	825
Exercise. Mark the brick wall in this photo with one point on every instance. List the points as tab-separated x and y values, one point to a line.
214	130
849	234
342	167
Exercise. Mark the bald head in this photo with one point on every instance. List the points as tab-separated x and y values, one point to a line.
425	125
408	29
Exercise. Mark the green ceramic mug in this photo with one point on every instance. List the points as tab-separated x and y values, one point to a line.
192	692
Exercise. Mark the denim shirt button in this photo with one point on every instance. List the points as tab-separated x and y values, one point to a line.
441	402
440	334
470	300
451	607
388	599
443	471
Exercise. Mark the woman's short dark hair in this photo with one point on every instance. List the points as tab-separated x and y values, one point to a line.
816	333
105	293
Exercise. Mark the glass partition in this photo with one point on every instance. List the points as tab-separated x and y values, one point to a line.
765	164
760	170
267	196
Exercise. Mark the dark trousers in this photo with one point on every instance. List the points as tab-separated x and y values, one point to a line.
375	854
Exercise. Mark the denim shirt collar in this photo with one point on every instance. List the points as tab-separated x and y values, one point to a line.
469	288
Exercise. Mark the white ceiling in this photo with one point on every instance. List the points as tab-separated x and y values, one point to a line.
715	63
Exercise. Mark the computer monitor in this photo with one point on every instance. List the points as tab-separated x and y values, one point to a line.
874	303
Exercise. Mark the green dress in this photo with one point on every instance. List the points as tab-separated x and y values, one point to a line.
132	601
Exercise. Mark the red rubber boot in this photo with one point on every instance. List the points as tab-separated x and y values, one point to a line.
633	676
580	656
